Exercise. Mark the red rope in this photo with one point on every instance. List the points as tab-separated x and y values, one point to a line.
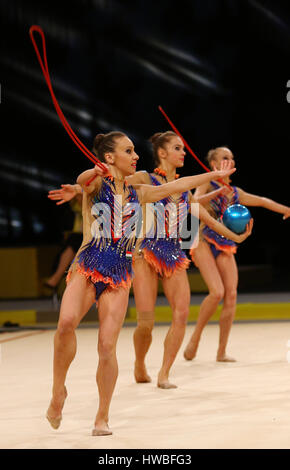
186	144
45	71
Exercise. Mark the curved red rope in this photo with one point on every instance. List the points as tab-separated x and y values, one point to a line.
187	146
45	71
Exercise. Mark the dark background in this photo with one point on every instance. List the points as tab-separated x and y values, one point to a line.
218	67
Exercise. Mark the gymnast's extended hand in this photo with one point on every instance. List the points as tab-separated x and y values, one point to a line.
65	194
247	233
68	191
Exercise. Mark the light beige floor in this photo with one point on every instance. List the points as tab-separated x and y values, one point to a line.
241	405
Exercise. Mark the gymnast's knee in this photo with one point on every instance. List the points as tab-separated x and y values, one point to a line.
145	322
106	348
66	326
230	297
217	293
180	317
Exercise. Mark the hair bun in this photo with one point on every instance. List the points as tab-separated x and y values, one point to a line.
153	139
97	140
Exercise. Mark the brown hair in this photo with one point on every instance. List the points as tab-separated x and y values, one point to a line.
104	143
158	140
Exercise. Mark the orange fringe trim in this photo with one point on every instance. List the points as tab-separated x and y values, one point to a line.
225	249
95	276
160	267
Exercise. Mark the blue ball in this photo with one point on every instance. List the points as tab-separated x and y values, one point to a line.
236	217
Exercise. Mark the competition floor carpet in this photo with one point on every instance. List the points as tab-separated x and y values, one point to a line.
216	406
242	405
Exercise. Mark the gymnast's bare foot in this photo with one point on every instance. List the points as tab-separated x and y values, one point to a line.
53	413
225	358
101	428
164	383
140	373
190	351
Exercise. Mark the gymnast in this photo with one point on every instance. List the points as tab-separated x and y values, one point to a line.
214	255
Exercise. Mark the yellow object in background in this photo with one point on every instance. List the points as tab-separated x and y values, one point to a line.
22	317
22	270
245	312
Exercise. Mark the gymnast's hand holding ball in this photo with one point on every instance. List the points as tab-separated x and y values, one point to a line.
236	218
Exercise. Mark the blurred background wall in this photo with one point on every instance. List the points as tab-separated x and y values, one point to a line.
218	67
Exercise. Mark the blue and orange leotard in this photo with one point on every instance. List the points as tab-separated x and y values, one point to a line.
217	207
161	248
105	257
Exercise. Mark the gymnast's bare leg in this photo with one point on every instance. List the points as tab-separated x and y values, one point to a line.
145	284
77	299
177	291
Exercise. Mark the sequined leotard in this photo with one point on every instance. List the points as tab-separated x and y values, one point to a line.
216	208
162	248
105	256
